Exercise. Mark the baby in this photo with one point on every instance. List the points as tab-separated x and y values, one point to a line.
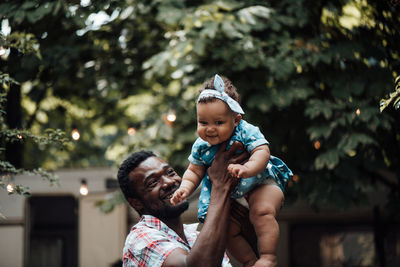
263	177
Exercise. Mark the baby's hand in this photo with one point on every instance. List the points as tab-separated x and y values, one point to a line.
180	195
237	170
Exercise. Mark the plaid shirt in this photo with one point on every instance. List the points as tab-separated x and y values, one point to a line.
151	241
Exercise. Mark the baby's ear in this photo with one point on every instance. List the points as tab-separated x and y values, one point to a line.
238	118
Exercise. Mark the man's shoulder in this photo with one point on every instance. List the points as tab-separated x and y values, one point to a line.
146	246
141	238
141	229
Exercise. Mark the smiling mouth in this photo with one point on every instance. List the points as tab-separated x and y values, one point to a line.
169	195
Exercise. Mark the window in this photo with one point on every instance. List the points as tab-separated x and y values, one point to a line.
52	233
343	245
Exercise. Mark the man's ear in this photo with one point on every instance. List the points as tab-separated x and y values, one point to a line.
136	204
238	118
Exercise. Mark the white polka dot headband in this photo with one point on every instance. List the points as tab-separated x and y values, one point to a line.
219	93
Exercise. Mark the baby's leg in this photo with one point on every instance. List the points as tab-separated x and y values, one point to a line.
238	247
264	202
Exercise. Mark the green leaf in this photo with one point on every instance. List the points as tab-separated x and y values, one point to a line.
396	103
28	5
19	16
317	107
250	15
199	46
228	5
7	8
170	15
316	132
329	159
210	29
394	97
350	142
230	31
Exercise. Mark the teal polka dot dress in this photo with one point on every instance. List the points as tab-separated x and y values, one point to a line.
251	137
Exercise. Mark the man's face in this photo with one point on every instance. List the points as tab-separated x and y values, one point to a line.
155	182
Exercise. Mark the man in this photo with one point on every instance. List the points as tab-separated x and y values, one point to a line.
160	238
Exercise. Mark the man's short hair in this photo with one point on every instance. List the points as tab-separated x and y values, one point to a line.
127	166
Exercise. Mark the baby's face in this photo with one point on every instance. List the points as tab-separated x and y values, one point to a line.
215	121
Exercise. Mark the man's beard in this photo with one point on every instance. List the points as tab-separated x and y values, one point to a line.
168	211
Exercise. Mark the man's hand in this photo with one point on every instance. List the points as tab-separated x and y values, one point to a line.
218	172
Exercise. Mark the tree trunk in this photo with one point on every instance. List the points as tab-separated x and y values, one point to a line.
14	121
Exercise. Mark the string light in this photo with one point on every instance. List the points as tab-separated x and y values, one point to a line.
317	145
170	118
10	188
351	153
10	185
2	51
75	134
19	136
358	112
131	131
84	190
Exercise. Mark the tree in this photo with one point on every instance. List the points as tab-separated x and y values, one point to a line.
394	97
14	137
311	74
80	74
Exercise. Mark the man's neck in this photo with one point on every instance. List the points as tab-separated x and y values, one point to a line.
176	225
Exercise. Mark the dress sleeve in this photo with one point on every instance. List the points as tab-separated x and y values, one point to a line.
251	136
197	150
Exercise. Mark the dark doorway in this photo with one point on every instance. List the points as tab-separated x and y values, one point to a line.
53	231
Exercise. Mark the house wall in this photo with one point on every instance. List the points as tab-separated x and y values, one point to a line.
101	236
11	245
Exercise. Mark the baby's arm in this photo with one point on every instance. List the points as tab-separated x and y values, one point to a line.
190	181
257	162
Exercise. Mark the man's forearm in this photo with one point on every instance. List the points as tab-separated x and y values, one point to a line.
210	245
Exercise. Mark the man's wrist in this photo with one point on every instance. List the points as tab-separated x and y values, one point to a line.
220	191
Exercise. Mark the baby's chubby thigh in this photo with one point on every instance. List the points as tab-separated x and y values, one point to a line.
265	200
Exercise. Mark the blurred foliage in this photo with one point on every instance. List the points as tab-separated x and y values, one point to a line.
25	44
54	137
311	75
111	200
394	97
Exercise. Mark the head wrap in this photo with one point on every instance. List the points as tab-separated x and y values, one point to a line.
219	93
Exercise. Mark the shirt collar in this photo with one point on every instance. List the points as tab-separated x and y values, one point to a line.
154	222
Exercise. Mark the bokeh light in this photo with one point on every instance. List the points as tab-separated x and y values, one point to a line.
75	135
